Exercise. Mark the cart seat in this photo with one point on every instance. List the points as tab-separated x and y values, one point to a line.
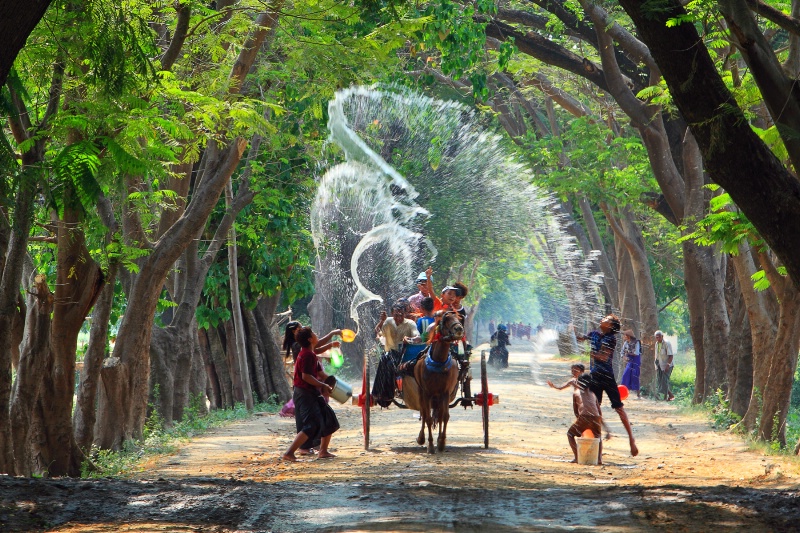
411	352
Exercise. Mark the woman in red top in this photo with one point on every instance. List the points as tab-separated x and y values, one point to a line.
313	414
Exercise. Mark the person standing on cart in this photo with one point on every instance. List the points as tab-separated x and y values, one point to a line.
395	330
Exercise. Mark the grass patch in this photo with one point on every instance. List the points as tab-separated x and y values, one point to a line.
157	440
717	409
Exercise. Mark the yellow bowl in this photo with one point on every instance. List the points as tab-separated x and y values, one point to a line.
348	335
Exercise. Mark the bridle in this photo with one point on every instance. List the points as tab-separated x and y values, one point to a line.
447	335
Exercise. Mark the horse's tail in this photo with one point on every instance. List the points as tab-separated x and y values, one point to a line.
438	403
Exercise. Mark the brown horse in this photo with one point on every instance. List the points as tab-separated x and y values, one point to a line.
437	378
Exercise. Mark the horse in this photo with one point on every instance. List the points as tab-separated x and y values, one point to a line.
437	378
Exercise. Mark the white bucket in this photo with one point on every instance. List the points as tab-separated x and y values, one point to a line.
342	392
588	450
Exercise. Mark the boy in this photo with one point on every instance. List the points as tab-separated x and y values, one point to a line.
587	413
577	371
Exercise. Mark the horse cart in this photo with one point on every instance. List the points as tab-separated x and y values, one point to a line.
433	407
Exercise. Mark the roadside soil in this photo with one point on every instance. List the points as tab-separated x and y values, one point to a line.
687	477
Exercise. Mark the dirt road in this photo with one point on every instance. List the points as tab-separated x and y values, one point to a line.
686	477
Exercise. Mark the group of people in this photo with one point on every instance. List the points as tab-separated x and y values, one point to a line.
663	360
411	322
588	388
517	330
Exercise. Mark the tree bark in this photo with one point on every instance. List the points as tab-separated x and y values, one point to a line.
84	417
9	293
265	317
782	365
236	307
35	361
79	281
17	21
630	234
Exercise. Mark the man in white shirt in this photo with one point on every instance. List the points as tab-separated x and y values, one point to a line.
394	330
664	365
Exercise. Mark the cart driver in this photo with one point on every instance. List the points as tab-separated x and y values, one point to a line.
395	330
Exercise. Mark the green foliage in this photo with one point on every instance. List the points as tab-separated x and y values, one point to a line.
720	410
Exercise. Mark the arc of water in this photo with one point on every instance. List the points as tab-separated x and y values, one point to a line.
375	236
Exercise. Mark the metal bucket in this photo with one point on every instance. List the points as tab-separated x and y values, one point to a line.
342	392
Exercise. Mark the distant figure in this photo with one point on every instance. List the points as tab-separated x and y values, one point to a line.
491	327
632	353
664	366
498	355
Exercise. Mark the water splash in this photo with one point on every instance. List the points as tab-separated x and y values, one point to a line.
409	159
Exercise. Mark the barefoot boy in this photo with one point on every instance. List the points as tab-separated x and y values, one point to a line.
587	411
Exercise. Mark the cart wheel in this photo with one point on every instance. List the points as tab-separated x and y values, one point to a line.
367	401
485	403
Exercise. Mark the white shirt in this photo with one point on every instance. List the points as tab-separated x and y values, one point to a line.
394	333
663	353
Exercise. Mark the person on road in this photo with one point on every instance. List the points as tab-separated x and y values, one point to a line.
603	342
292	349
312	412
663	361
587	416
577	371
498	355
632	354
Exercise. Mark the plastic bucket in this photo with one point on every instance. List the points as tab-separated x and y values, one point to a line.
588	450
342	392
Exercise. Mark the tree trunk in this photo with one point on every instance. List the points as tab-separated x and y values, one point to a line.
694	302
276	378
17	21
740	349
256	355
762	328
133	340
197	378
222	367
609	273
9	295
782	365
84	417
35	361
630	234
239	344
213	390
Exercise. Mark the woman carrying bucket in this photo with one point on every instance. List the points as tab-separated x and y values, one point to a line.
313	414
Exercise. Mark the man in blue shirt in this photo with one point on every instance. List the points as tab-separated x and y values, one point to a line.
603	343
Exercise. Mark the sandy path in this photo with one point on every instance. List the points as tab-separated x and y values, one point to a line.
686	478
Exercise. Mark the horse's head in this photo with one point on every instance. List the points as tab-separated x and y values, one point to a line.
450	327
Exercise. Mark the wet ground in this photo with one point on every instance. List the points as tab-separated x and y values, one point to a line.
686	477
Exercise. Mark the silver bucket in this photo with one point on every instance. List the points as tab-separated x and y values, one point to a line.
342	392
